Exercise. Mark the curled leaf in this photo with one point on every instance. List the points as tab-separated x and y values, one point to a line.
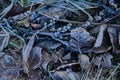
102	43
100	36
113	33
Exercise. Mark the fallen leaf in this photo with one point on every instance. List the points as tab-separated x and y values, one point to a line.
61	75
49	44
94	31
26	53
114	39
35	58
67	75
72	75
84	61
8	67
102	43
100	36
16	9
81	39
103	60
46	60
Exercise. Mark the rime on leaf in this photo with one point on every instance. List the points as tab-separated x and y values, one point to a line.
102	43
72	75
8	67
46	59
35	57
49	44
66	75
103	60
81	39
26	53
61	75
114	39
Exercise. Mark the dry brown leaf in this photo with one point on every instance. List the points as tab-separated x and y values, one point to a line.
26	53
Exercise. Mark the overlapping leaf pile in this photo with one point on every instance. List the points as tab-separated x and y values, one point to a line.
62	40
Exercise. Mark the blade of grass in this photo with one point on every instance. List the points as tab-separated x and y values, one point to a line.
77	6
94	4
113	73
99	74
49	67
9	27
5	41
76	22
6	10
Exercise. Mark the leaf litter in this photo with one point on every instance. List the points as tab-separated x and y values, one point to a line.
26	52
9	68
59	40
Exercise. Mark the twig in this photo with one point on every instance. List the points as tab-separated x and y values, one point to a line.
76	22
65	43
63	66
